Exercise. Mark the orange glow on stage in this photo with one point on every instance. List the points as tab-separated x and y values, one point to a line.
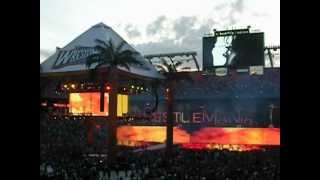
249	136
142	133
150	134
224	136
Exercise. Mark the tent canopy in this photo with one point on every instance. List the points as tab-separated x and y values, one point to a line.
72	57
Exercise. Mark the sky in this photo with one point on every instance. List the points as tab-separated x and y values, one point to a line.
153	27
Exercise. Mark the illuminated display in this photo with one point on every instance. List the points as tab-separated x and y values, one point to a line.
245	136
88	103
250	136
150	134
238	51
141	133
122	106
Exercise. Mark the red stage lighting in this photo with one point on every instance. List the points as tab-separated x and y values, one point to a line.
108	88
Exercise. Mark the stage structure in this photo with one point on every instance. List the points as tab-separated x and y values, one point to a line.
67	76
87	88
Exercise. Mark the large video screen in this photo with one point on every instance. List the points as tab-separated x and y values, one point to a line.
88	103
238	136
236	51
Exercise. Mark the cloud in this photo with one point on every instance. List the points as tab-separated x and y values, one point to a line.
132	32
258	14
45	52
230	12
183	25
185	33
220	6
238	6
157	26
235	12
188	36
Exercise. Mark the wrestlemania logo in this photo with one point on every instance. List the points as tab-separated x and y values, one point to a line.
72	57
79	55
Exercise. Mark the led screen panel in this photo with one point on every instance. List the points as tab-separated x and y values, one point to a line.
245	136
88	103
150	134
249	136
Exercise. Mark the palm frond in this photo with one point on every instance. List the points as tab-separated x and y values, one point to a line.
162	68
111	46
108	55
127	53
99	65
100	48
94	58
101	42
127	57
125	65
126	62
118	49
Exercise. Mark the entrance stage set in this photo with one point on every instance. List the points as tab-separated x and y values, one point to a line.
67	80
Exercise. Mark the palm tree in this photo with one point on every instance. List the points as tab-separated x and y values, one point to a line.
110	57
154	87
172	78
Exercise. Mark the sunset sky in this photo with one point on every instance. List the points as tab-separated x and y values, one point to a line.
155	26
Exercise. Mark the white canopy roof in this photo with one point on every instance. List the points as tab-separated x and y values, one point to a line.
72	56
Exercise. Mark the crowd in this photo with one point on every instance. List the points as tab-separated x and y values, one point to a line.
66	154
234	85
187	164
63	143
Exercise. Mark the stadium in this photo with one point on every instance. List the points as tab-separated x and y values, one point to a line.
111	114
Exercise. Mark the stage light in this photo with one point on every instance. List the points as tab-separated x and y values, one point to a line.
73	86
132	86
108	88
65	86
